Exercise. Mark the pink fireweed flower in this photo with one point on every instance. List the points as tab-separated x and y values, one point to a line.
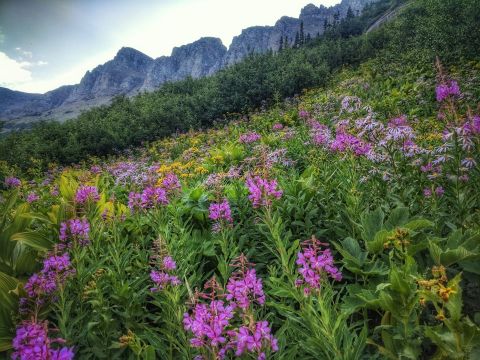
31	342
277	127
346	142
249	138
439	191
256	339
221	214
244	287
32	197
427	192
75	230
171	183
56	270
163	277
208	323
134	201
262	191
303	114
87	194
315	263
12	182
443	91
476	124
169	263
152	197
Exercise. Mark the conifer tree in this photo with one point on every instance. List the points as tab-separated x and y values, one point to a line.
302	34
350	13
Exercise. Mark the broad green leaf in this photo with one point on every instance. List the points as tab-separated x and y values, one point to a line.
372	223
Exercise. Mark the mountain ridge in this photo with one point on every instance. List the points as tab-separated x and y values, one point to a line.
131	72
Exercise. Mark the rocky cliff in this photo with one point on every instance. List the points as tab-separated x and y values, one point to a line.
131	71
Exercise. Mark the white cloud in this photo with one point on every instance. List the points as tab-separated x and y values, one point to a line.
29	64
13	73
24	53
72	76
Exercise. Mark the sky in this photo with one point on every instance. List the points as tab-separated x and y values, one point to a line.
45	44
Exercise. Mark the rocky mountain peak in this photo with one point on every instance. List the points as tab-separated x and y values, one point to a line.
132	71
131	56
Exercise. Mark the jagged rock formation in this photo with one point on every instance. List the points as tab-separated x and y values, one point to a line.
131	71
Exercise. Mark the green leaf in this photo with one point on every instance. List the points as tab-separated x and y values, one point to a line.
398	217
33	239
372	223
376	245
419	224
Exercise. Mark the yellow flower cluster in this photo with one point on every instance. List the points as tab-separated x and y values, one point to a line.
186	170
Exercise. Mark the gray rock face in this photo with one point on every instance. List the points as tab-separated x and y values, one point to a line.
131	71
201	58
259	39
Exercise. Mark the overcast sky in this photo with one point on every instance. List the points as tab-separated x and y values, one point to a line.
48	43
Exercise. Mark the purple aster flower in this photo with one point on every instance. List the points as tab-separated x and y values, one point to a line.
96	169
469	163
351	104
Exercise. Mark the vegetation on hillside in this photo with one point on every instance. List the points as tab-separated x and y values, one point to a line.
427	29
340	224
